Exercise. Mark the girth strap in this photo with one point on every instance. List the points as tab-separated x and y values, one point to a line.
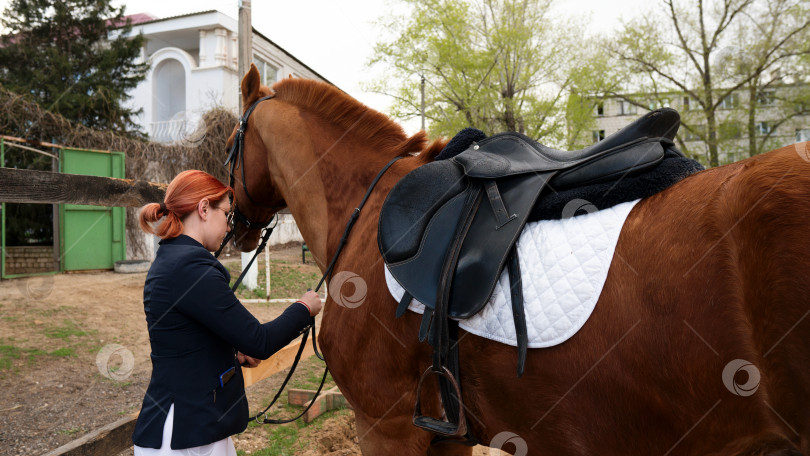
403	304
518	310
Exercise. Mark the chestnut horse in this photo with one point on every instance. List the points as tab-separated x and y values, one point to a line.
698	344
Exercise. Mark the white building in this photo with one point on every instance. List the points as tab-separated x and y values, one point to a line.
193	61
614	113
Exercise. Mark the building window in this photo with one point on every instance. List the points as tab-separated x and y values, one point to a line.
803	135
730	102
687	104
626	108
600	109
763	128
766	97
168	102
598	135
267	71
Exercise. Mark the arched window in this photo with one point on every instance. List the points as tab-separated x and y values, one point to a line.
169	91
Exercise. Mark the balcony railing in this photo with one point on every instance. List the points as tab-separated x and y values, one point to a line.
169	131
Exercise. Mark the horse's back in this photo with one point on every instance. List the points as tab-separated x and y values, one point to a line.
692	288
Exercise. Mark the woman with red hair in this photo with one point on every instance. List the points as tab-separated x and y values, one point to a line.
199	331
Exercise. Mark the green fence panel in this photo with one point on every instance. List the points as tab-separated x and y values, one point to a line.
92	237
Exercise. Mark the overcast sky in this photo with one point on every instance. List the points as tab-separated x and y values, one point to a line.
336	38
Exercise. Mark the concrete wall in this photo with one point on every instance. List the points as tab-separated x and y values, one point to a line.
286	231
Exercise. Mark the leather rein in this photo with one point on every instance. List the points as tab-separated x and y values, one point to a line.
237	154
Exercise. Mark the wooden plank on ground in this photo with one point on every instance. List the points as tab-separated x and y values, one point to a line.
110	439
281	360
330	399
30	186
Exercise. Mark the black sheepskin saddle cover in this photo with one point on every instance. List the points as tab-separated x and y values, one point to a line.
673	168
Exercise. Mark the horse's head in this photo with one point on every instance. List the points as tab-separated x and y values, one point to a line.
255	199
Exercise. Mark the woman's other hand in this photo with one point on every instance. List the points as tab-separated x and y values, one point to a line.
247	361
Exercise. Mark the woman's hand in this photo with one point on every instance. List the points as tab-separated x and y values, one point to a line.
313	301
247	361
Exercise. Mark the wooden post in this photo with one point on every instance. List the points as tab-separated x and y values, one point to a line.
267	273
423	102
29	186
57	242
245	43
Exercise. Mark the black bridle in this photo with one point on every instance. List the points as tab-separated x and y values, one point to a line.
237	154
235	216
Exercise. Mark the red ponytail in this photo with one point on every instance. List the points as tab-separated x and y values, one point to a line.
182	196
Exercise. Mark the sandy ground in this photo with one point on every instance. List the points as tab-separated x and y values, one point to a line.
74	356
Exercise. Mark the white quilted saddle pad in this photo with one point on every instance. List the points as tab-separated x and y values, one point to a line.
564	264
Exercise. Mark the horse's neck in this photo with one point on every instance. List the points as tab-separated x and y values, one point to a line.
322	209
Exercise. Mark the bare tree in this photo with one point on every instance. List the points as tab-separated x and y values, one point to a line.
711	52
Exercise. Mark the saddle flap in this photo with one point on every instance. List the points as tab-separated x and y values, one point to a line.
419	273
487	244
410	206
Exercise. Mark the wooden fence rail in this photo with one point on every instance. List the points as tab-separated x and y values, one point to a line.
30	186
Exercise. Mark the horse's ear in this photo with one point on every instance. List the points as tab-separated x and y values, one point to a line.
250	86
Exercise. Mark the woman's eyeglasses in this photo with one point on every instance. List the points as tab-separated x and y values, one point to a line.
228	215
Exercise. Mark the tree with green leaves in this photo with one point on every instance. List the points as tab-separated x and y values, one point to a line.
724	61
73	57
497	65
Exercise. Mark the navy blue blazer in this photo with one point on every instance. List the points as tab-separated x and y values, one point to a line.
195	325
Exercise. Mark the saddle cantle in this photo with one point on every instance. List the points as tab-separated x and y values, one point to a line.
448	228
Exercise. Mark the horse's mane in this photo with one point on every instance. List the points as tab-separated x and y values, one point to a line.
343	111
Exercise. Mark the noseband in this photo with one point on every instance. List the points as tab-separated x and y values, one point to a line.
237	154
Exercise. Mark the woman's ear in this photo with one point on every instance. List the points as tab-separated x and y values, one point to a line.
203	207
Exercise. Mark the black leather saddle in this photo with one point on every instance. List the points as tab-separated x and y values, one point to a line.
448	228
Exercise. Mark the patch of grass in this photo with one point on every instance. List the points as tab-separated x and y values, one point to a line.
8	353
70	431
64	352
308	375
65	331
287	279
283	442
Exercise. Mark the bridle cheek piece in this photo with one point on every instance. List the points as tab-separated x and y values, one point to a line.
237	154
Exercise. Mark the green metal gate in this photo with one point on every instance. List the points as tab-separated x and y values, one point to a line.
92	237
